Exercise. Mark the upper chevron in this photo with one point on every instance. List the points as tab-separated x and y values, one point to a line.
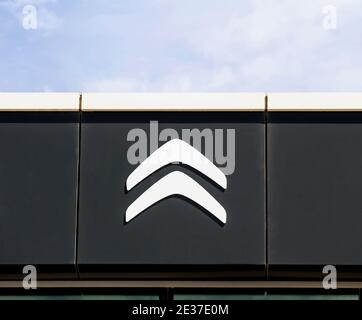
176	150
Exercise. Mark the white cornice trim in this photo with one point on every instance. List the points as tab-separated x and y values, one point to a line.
39	101
173	102
315	101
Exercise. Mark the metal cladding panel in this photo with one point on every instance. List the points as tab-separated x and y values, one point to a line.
173	231
38	191
314	191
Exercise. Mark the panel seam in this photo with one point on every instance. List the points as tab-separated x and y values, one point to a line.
78	186
266	187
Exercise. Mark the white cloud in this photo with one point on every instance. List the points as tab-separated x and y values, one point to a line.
204	45
115	85
271	45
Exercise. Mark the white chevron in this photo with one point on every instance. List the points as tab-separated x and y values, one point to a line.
176	150
176	183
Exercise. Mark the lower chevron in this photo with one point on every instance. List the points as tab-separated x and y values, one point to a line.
176	183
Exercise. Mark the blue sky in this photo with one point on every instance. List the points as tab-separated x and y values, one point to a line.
183	45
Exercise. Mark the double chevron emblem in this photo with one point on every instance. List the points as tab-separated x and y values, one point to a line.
176	182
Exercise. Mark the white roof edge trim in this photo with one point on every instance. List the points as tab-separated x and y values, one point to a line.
173	101
315	101
44	101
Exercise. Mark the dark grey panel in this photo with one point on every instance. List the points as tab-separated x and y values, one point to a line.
172	232
314	189
38	189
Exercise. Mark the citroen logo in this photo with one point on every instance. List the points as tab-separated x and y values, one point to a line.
176	182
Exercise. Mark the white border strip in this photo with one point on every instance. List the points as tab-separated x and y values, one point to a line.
47	101
173	102
287	102
315	101
178	284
